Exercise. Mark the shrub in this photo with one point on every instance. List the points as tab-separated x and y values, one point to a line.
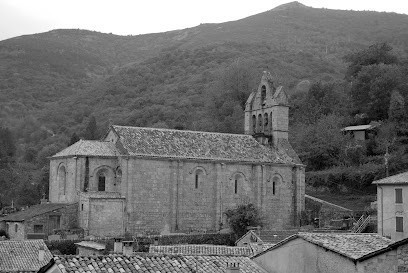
242	217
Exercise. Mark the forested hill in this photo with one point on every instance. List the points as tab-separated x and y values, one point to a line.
52	83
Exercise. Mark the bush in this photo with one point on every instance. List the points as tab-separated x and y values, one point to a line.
242	217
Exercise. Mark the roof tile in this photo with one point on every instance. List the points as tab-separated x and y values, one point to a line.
158	263
199	145
22	255
201	250
401	178
89	148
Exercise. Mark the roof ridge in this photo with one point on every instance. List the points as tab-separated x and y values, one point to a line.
187	131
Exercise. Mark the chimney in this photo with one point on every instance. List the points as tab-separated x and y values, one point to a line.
118	245
127	248
232	268
41	254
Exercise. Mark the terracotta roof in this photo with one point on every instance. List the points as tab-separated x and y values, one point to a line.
89	148
401	178
154	263
201	250
32	212
197	145
355	246
90	244
22	256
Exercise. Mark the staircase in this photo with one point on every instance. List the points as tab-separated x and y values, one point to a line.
361	224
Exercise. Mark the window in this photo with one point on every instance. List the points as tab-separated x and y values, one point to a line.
266	120
198	178
15	227
236	185
398	196
62	179
82	206
259	122
38	229
254	123
54	222
275	182
263	93
238	182
399	224
101	182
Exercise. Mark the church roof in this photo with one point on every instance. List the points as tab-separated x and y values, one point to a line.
33	211
89	147
198	145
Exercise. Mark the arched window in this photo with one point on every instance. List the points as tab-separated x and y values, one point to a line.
101	181
266	121
275	182
198	178
259	123
118	176
254	123
62	179
263	93
270	118
238	183
15	227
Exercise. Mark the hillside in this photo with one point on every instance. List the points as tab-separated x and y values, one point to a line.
52	83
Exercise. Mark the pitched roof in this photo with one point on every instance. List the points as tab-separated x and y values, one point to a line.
269	237
145	262
197	145
22	256
401	178
355	246
90	244
201	250
32	212
89	148
359	127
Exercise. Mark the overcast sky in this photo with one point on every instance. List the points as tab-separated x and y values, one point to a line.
123	17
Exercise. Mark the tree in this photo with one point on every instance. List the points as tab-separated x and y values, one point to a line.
7	146
379	53
74	138
91	131
242	217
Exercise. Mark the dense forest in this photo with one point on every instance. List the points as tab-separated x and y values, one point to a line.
340	68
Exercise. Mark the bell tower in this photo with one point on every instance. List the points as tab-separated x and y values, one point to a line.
267	112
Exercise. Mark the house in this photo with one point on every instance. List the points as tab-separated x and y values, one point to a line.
90	248
147	262
361	132
392	206
335	253
153	180
23	256
39	221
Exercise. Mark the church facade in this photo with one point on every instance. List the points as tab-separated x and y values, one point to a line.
159	180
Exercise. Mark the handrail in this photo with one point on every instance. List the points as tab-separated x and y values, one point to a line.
357	224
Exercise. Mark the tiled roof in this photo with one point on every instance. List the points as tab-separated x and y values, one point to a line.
197	145
154	263
355	246
275	236
90	244
201	250
89	148
401	178
352	245
32	211
22	256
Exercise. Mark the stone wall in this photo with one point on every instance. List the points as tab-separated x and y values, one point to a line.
402	259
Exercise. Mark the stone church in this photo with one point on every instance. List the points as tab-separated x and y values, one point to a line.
159	180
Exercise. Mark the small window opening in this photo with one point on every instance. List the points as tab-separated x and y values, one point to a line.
253	123
236	186
101	182
273	187
38	229
263	93
82	207
15	228
196	180
398	196
260	122
399	222
266	121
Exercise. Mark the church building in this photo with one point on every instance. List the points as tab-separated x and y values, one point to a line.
159	180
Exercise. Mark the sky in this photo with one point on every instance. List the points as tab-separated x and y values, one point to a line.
132	17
